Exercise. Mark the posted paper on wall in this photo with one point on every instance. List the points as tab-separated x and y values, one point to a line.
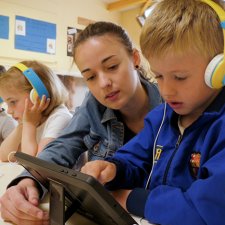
35	35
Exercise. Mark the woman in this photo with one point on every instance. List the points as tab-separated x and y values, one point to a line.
113	111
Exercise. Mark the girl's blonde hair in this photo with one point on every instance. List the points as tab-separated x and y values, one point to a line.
14	78
180	26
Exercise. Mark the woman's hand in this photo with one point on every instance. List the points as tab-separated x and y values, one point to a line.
19	205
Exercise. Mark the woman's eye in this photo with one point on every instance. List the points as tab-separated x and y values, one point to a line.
113	67
90	78
180	78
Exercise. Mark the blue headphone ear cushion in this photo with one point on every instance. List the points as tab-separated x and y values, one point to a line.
209	72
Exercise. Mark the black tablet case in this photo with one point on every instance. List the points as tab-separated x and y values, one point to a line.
72	191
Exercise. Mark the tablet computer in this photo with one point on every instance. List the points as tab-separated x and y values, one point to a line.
82	193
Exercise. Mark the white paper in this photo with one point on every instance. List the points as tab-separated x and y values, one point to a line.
51	46
72	31
20	27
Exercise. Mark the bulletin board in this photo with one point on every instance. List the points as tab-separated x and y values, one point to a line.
71	37
35	35
4	27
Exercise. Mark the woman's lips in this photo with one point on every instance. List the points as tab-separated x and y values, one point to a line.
112	96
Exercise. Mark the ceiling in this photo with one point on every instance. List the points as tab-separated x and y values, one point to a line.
123	5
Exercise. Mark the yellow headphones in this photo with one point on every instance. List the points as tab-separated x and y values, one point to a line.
39	88
215	71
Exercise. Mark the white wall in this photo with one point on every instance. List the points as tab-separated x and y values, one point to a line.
63	13
129	22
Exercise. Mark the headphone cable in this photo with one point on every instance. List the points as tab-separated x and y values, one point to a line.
154	146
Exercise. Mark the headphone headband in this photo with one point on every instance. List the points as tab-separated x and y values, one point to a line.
34	80
215	71
219	10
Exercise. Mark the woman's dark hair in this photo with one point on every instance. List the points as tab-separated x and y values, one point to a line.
2	69
102	28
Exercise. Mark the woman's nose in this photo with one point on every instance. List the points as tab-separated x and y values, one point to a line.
104	81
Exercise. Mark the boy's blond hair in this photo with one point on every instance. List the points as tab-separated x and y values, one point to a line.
14	78
180	26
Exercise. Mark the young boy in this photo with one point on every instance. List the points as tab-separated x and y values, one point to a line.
182	145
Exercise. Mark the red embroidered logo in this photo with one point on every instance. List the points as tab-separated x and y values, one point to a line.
195	163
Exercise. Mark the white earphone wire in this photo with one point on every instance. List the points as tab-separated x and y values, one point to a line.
154	146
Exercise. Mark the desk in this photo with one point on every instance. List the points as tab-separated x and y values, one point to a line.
9	171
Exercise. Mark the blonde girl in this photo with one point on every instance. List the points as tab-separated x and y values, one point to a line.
38	123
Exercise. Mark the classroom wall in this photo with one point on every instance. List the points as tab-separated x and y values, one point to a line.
64	14
129	22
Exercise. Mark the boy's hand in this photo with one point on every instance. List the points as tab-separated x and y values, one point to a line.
101	170
33	112
121	196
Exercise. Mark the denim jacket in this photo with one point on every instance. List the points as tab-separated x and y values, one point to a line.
93	128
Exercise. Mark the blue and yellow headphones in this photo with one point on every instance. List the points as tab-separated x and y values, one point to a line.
215	71
39	88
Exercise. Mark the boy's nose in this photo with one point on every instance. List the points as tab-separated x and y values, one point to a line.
168	90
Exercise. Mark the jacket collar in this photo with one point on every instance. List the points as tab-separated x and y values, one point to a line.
218	103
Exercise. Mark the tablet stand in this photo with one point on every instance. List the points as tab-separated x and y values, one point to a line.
58	212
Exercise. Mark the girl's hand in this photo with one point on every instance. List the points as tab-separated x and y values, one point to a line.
33	112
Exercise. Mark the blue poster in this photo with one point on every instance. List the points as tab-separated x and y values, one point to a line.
35	35
4	27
